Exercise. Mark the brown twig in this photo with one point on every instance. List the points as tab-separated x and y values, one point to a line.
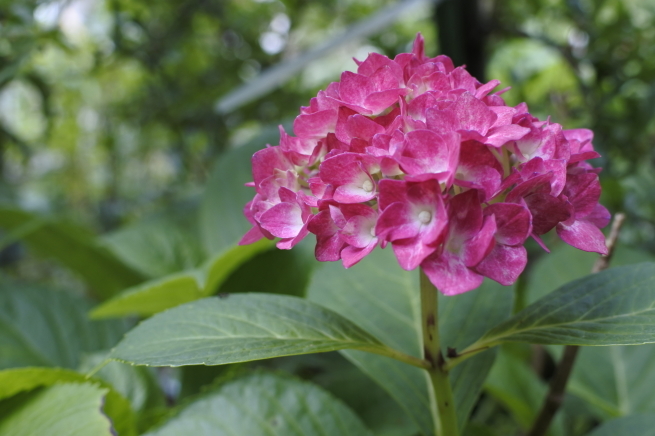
557	387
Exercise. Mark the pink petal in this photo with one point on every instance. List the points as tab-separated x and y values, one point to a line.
449	274
316	125
283	220
584	235
351	255
504	264
478	247
266	161
514	222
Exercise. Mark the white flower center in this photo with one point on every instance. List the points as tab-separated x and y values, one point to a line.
373	231
424	217
367	186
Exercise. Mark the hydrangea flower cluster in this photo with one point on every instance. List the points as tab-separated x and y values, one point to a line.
416	153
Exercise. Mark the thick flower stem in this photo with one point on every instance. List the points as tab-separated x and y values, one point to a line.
444	416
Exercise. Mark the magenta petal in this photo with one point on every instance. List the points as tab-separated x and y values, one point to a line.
514	222
253	235
328	248
584	235
583	192
359	231
397	222
316	125
478	247
283	220
411	252
546	211
359	126
351	255
501	135
600	216
504	264
391	191
449	274
266	161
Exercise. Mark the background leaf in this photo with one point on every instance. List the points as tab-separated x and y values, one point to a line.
265	404
75	247
639	425
160	294
21	380
239	328
565	264
162	244
222	223
383	299
45	327
617	381
72	409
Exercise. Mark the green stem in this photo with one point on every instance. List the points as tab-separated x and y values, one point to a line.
444	416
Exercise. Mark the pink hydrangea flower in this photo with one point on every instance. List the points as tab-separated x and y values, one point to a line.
416	153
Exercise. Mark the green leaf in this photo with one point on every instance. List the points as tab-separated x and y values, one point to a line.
616	380
45	327
517	387
275	271
156	295
136	383
17	380
240	328
75	247
65	409
334	373
222	223
160	245
268	405
638	425
383	299
613	307
565	264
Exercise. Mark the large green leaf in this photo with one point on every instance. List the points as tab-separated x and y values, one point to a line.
222	223
161	294
616	380
45	327
18	380
638	425
613	307
75	247
66	409
267	405
383	299
240	328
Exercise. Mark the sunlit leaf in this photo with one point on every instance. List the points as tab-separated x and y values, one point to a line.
21	380
70	409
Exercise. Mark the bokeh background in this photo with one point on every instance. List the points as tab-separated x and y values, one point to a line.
116	117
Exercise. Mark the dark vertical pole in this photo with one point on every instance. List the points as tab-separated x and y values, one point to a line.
462	29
